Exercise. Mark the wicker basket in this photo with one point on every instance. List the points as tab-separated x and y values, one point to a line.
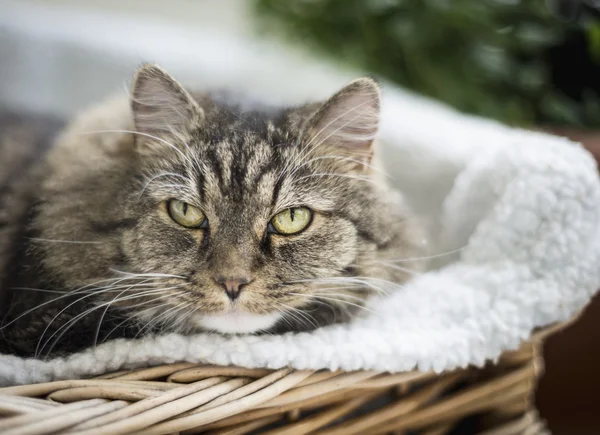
193	398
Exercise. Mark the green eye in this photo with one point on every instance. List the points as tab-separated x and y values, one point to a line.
292	220
185	214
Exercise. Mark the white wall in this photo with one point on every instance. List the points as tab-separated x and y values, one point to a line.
232	15
60	55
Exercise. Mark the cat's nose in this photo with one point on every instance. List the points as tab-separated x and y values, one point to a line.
232	286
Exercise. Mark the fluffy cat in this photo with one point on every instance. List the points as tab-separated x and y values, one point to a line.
174	211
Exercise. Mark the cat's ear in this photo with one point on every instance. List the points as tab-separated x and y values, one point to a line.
348	121
160	104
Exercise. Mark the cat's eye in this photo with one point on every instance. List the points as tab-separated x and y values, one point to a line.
291	220
185	214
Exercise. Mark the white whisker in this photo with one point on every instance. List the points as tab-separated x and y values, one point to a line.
333	174
61	312
72	322
80	316
395	267
128	319
159	319
310	296
345	280
164	174
427	257
153	275
185	157
299	315
341	158
65	295
344	295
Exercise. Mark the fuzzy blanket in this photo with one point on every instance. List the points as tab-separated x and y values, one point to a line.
515	215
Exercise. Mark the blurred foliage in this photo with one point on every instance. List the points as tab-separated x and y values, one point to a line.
522	62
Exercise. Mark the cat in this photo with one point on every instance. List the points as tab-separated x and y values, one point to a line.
168	210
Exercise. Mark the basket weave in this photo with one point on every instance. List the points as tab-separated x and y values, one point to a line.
193	398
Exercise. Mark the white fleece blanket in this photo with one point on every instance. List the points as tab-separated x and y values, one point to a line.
519	213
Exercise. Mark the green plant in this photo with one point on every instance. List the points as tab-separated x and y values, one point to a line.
503	59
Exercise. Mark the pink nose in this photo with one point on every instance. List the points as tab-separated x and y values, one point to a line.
232	286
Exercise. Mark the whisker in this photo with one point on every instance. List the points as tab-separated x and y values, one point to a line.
285	319
104	313
454	251
80	316
96	292
65	295
349	287
127	319
344	280
174	185
333	174
75	320
153	322
175	317
299	314
335	300
155	275
164	174
395	267
181	322
295	318
185	157
341	158
344	295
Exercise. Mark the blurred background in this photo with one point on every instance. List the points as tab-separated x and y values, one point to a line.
529	63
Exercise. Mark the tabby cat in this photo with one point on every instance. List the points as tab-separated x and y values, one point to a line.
175	211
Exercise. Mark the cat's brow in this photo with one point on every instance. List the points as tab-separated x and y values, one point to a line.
156	178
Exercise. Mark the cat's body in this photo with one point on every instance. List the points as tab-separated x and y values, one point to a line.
101	241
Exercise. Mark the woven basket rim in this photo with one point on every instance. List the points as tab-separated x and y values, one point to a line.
177	397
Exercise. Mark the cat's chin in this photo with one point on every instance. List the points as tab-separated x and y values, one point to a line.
236	322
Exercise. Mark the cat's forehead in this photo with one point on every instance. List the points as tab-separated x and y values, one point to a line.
238	163
239	158
248	143
242	159
245	141
258	122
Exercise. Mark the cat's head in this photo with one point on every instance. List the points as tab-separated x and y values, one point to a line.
251	219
